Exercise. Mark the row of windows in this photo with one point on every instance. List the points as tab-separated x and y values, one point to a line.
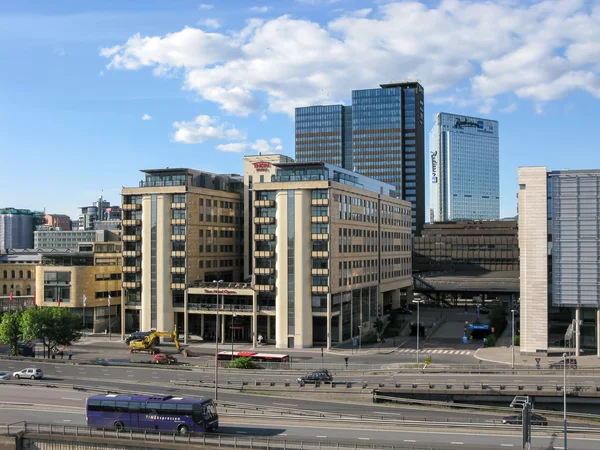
369	272
13	274
140	407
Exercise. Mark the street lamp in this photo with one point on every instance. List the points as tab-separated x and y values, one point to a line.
418	302
513	339
359	337
217	342
232	323
565	397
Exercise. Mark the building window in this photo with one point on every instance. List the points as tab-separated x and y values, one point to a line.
5	273
29	274
12	274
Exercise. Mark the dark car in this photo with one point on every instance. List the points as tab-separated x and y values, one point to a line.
536	419
560	364
403	310
484	310
322	376
139	335
163	358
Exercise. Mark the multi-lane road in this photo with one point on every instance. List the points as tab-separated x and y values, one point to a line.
64	407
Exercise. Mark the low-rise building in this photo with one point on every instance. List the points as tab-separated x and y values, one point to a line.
71	239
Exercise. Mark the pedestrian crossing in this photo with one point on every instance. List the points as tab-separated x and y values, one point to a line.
435	351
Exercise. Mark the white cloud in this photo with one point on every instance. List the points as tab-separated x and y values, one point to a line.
146	117
509	108
206	128
101	74
540	51
209	23
206	6
259	9
263	146
235	147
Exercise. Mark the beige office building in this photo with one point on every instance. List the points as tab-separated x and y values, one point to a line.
180	227
332	251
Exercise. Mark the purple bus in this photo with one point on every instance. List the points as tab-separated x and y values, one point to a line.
183	415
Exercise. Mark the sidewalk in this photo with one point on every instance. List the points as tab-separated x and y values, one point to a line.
503	355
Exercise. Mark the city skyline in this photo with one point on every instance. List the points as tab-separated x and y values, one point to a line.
124	88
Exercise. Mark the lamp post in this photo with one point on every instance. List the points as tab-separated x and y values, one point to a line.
359	337
217	342
418	302
232	323
565	397
512	311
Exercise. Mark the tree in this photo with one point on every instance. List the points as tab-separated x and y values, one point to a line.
10	331
243	363
52	326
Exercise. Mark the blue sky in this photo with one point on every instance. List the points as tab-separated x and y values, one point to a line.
219	80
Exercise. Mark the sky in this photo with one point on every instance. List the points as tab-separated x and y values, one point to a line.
92	92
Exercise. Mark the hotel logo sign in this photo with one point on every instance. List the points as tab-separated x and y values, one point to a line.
434	166
261	166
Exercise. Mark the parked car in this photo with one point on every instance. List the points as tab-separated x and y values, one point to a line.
536	419
4	376
403	310
140	335
29	373
484	310
322	376
163	358
560	364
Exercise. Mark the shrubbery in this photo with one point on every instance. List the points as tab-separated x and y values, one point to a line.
243	363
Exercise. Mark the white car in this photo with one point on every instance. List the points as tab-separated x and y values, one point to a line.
4	376
29	373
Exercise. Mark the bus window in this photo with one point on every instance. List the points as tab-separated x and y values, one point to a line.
94	405
185	408
135	407
153	408
168	408
108	406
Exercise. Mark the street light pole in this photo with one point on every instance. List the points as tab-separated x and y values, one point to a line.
232	321
217	342
565	397
513	339
418	302
359	338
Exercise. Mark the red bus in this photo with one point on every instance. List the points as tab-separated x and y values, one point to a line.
254	356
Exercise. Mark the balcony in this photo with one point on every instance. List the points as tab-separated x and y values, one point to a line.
177	269
320	289
213	307
131	269
131	253
132	207
319	254
264	254
177	205
264	220
264	270
266	308
319	237
178	237
264	287
320	271
177	221
132	222
264	203
178	254
132	237
131	284
178	286
319	219
264	237
319	202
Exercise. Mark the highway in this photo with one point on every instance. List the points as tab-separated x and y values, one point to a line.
64	407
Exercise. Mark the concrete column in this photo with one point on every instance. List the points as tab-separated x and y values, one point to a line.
577	331
329	321
254	320
202	326
185	317
303	270
268	328
598	333
123	314
340	328
281	267
164	295
146	298
223	328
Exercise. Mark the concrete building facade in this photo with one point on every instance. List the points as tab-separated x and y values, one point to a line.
16	228
60	221
559	240
70	239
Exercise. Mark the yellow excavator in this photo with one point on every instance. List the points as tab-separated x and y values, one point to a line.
148	344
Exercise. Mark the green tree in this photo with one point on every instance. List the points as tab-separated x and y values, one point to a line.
10	331
243	363
53	326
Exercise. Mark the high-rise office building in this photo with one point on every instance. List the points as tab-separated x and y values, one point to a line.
465	169
16	227
381	136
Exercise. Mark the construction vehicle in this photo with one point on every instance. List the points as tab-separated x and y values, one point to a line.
148	344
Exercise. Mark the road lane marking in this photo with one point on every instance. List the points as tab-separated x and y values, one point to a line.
283	434
285	404
364	439
506	445
71	398
322	436
409	440
457	443
66	420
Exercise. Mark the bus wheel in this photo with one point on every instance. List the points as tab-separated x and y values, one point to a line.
183	430
119	426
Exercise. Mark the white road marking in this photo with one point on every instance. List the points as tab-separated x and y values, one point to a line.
364	439
409	440
283	434
506	445
457	443
156	378
285	404
322	436
66	420
70	398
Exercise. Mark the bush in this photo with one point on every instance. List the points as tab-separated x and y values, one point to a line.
491	340
517	342
498	320
243	363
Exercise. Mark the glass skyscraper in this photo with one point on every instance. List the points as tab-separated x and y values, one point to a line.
381	136
465	172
